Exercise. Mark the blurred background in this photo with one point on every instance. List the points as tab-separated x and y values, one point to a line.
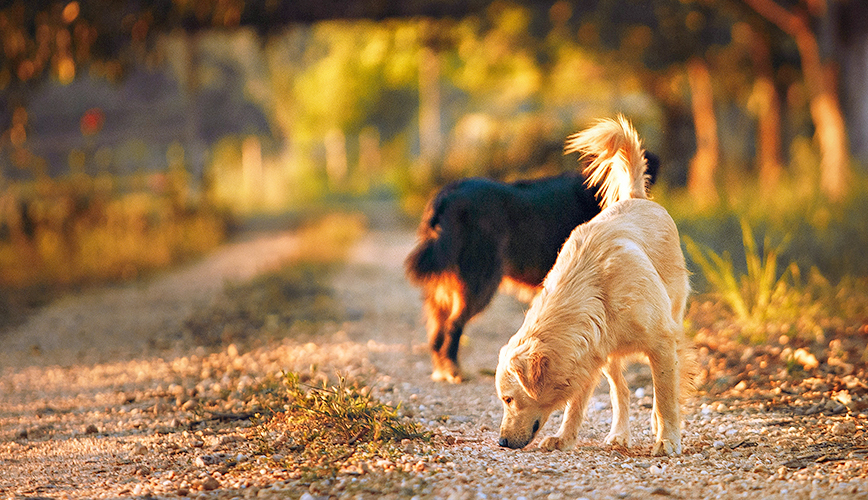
137	134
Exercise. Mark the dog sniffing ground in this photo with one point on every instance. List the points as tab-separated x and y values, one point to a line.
104	395
618	287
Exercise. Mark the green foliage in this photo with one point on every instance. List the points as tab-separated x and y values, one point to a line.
750	295
828	236
765	302
328	427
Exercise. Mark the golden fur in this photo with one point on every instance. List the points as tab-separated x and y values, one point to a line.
618	288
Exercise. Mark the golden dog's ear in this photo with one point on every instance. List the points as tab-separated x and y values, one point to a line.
531	368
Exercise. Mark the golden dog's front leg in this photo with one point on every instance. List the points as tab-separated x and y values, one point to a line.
574	413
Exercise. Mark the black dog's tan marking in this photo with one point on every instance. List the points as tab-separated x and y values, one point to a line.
476	233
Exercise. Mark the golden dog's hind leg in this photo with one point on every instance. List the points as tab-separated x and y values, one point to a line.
565	439
619	391
665	374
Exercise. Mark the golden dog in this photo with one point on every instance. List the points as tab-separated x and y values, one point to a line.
618	288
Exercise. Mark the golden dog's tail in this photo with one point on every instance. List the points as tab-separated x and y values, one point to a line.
618	166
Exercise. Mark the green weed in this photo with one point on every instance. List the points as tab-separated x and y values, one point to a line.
765	304
328	427
761	294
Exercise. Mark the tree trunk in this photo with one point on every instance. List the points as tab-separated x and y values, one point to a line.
824	104
336	157
700	176
430	139
767	106
194	146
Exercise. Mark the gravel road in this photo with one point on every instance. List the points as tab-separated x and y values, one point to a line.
107	395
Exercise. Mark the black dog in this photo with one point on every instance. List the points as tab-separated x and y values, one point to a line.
476	233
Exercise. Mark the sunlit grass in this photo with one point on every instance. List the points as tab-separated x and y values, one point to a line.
828	236
328	239
123	239
786	262
757	296
750	294
324	428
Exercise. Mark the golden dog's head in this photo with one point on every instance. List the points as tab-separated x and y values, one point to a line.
547	359
528	389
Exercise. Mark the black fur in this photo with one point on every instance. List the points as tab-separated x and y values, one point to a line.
476	232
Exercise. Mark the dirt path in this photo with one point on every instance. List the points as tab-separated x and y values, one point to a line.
131	321
104	396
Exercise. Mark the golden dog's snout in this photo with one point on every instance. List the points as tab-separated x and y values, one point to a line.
514	444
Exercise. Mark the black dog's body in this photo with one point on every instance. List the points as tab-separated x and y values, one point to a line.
476	232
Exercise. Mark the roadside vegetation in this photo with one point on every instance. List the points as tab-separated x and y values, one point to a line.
325	429
62	234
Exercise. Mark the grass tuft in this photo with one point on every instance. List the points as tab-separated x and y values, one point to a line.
751	294
765	303
323	429
758	296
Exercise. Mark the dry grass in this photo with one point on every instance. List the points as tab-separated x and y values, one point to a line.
82	229
328	428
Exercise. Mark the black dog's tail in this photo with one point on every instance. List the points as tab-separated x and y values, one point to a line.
652	167
438	245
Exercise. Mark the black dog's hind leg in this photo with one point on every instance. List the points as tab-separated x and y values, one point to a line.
444	305
478	278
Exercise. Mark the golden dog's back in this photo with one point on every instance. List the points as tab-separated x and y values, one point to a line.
648	225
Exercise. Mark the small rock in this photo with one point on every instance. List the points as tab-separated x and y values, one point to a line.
409	447
806	359
140	449
229	439
661	491
209	484
232	351
91	429
719	445
844	428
